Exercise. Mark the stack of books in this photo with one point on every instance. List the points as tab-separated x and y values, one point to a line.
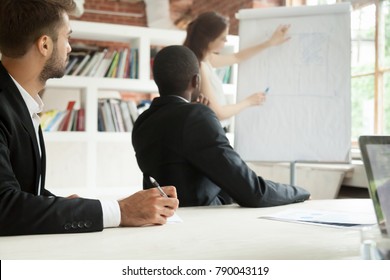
95	61
70	119
117	115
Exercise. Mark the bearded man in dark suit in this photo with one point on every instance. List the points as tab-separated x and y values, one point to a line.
34	43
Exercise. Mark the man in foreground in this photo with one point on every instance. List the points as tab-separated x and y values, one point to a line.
34	44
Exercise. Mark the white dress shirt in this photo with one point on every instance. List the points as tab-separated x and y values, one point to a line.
217	88
110	208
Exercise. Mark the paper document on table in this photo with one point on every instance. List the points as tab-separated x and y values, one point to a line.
323	217
174	219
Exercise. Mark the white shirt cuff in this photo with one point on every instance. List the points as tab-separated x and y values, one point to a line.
111	213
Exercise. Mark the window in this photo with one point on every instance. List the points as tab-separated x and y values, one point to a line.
386	102
370	87
363	22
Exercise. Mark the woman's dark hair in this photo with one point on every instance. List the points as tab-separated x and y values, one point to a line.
203	30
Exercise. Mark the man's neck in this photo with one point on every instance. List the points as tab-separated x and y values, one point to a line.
25	74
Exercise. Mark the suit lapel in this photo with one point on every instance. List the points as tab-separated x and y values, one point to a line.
21	110
43	158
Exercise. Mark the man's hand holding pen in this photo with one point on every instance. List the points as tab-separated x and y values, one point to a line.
148	207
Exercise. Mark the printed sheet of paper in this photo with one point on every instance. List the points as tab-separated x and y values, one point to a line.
324	218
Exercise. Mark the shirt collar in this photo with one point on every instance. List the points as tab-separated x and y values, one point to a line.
34	104
181	98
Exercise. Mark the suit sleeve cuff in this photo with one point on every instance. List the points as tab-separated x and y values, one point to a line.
111	213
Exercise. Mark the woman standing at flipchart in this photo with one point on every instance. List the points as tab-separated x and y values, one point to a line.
206	36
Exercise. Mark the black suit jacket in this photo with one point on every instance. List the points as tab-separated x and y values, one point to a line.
22	210
184	145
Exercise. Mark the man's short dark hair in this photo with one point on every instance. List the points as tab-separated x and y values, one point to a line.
173	69
22	22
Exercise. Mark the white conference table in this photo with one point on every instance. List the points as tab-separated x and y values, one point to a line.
206	233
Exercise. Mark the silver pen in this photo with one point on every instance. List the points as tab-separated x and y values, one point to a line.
157	185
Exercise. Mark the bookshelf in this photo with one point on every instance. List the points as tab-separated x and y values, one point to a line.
93	163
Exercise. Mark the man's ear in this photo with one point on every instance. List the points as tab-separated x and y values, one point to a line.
45	45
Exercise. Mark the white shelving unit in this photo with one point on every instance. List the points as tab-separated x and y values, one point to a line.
94	163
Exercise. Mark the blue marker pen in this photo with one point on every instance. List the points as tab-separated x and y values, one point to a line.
266	90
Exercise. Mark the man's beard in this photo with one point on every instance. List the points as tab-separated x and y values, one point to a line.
54	68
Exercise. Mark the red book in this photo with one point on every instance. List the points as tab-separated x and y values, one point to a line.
80	126
65	123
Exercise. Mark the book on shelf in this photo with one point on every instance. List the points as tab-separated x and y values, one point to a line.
133	110
127	120
76	58
71	63
103	61
70	119
99	59
133	64
120	71
153	52
103	67
101	124
47	117
80	65
125	64
116	115
55	121
126	70
108	121
80	123
114	64
137	102
91	64
64	125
